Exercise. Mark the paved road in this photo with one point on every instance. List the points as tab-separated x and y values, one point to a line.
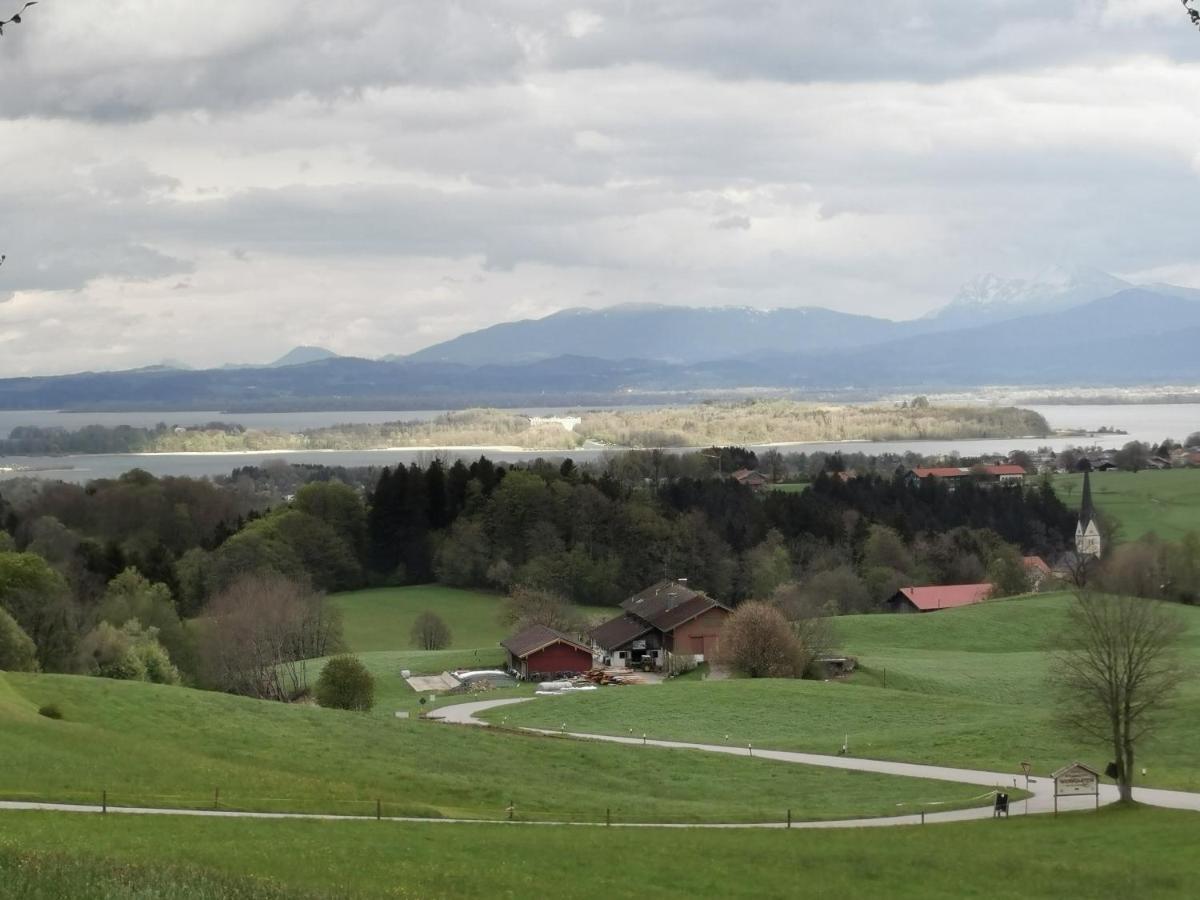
1042	789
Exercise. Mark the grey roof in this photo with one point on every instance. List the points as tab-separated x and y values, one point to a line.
658	598
619	631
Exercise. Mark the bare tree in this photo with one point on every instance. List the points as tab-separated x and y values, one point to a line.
430	632
1192	13
529	606
259	632
1117	670
15	19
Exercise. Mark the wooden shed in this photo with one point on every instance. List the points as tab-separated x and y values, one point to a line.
542	652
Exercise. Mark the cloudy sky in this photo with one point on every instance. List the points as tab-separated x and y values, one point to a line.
216	182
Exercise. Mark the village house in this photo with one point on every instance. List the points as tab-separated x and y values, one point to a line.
994	473
756	481
668	617
935	597
542	652
1037	570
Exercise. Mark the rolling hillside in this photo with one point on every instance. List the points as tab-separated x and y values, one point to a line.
967	687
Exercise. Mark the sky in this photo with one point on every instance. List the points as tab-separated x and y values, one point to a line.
213	183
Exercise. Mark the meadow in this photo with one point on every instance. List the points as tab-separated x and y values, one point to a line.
382	618
154	745
1165	502
968	687
1115	853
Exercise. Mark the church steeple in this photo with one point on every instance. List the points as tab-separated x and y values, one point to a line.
1087	532
1087	510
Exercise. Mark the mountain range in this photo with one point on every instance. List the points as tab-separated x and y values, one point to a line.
1067	328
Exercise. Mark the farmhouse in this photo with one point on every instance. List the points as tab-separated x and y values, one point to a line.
1001	473
756	481
540	651
935	597
668	617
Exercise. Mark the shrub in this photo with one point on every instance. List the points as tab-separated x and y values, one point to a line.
128	653
430	632
758	642
50	711
17	651
345	683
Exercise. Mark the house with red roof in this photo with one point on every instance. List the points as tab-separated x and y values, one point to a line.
934	597
668	617
1036	570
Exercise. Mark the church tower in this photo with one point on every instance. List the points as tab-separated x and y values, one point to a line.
1087	534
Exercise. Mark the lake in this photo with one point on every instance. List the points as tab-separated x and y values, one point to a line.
1149	422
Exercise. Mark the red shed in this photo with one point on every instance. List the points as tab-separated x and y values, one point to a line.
540	651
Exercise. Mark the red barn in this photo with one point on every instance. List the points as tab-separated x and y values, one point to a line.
539	652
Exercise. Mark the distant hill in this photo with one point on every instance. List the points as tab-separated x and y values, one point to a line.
678	335
299	356
1135	336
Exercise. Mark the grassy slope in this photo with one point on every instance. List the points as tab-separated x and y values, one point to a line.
965	687
381	618
169	746
1166	502
1111	854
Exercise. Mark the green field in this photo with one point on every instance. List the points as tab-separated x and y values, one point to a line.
966	687
170	746
1116	853
1165	502
381	618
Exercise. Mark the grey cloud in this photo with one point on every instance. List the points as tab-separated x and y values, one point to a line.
728	223
291	48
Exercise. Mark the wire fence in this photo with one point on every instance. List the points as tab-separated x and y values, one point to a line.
514	809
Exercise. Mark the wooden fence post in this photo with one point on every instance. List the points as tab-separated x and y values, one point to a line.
104	801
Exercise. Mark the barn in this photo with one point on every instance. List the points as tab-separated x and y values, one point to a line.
935	597
539	651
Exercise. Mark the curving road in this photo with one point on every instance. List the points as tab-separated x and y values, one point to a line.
1041	801
1042	789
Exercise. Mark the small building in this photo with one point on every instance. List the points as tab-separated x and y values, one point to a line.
540	652
1037	570
934	597
1005	473
940	473
668	617
756	481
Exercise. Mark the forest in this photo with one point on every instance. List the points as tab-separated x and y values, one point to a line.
221	583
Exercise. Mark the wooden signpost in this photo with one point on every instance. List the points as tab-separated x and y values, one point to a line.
1076	780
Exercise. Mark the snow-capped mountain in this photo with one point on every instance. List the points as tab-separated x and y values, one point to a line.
990	298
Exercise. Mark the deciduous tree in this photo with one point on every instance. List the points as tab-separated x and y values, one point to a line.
1117	672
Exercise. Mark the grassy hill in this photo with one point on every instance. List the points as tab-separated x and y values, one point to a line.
965	687
171	746
1166	502
1116	853
381	618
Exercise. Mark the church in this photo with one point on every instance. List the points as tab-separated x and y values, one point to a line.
1087	533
